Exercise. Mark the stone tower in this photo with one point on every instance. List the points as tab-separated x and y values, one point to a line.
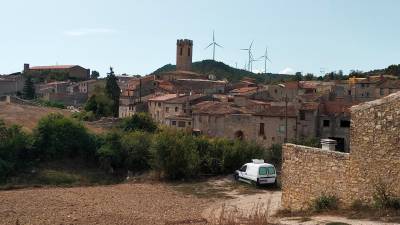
184	52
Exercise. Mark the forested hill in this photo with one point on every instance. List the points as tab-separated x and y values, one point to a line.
223	71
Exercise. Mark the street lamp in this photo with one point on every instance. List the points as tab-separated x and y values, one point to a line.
286	117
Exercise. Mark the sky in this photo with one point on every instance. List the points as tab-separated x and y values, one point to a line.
139	36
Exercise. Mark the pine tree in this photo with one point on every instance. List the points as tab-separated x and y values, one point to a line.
28	91
113	91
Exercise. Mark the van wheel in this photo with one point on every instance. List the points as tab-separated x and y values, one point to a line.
236	176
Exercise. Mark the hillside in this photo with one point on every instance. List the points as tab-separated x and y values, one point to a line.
28	116
223	71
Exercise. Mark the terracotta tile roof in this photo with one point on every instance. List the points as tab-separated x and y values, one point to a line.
218	108
185	98
57	67
308	84
161	98
309	106
278	111
336	107
244	90
292	85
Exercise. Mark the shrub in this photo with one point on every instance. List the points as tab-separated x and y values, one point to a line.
325	202
175	154
57	137
383	198
15	150
53	104
84	116
137	147
110	154
139	121
274	155
237	153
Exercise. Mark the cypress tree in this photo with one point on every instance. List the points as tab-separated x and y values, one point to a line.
28	91
113	91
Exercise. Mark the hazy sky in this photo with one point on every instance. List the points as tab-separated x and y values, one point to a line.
137	37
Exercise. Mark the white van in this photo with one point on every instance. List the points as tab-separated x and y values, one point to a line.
257	172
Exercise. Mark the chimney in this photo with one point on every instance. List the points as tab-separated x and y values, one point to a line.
26	67
328	144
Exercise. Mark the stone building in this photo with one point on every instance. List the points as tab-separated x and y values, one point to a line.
265	124
374	159
11	84
184	52
58	72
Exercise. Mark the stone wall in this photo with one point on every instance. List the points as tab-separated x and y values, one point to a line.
374	158
310	172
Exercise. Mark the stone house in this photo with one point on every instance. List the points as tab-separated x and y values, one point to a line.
11	84
265	125
156	106
61	71
373	160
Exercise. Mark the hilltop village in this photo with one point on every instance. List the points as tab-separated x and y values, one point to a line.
265	113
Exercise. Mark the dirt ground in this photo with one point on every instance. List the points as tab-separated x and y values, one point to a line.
115	204
147	203
28	116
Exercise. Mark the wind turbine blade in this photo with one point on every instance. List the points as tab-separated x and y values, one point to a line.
208	45
244	49
251	44
213	36
218	45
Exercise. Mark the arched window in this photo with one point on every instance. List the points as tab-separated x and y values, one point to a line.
181	52
189	52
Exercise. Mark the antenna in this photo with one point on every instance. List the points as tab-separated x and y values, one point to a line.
213	43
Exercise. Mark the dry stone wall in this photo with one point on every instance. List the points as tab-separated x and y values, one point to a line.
374	159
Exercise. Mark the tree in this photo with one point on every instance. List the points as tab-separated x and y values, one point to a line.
100	104
113	91
28	91
298	76
94	75
139	122
309	76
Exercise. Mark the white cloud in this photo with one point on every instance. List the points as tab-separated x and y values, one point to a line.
287	70
88	31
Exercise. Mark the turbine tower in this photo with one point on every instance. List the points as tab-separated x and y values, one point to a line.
250	55
213	43
265	57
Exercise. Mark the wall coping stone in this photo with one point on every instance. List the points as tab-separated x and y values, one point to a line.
316	150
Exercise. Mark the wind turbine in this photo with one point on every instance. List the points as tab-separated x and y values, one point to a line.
213	43
250	55
265	56
252	60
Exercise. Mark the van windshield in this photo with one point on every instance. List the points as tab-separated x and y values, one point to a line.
266	170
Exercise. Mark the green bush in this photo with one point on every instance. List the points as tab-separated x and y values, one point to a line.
274	155
57	137
136	145
139	121
175	154
53	104
110	154
239	152
15	150
325	202
84	116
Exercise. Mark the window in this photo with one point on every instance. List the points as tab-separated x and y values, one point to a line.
176	109
189	123
244	168
326	123
261	133
184	111
166	109
344	123
181	124
188	51
159	104
367	94
349	92
276	91
181	51
302	115
266	171
381	91
173	123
